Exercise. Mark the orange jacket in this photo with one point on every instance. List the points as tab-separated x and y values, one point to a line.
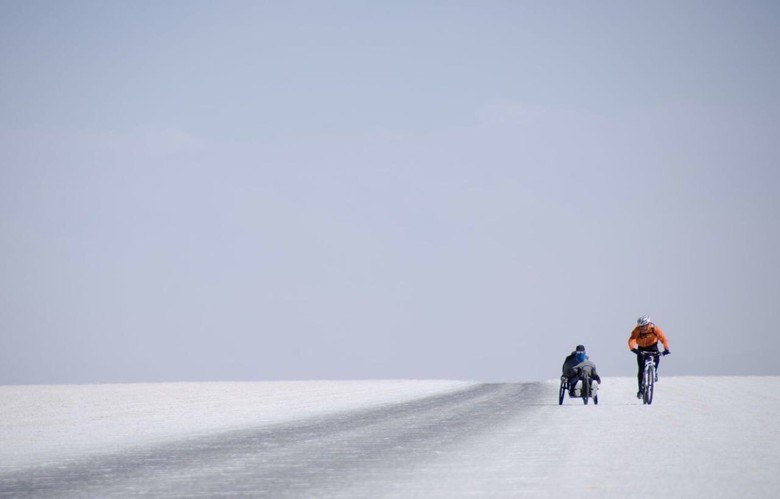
647	337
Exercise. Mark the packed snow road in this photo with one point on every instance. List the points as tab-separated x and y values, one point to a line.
702	437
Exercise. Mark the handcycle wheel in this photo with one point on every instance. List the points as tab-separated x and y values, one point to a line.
562	393
585	390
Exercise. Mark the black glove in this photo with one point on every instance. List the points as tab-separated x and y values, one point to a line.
635	350
666	352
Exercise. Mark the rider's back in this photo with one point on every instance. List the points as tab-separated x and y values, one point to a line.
569	363
588	368
586	365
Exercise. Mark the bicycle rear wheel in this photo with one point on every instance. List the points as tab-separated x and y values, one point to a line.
562	393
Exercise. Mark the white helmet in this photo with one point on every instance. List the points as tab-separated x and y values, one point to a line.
643	321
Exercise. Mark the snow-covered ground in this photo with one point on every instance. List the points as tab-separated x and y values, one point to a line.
46	423
702	437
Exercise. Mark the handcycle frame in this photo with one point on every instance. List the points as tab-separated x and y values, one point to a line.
586	392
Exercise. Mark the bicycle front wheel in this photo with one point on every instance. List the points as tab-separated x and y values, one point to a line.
649	382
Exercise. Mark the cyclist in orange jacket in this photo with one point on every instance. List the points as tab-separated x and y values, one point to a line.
645	338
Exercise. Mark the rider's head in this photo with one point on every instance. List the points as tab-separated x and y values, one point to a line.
580	348
643	321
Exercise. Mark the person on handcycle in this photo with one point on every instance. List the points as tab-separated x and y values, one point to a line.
585	369
573	367
644	338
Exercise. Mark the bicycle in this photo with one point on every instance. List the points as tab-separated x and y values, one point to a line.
649	376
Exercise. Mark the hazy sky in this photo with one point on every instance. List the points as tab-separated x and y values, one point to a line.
270	190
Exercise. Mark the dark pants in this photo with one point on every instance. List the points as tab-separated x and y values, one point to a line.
640	362
573	381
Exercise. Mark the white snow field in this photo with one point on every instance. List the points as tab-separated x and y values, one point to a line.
702	437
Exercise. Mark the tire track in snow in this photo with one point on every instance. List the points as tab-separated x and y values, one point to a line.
329	455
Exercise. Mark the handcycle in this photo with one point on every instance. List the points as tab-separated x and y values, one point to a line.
584	387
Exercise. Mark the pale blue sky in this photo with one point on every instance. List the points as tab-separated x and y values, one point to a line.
303	190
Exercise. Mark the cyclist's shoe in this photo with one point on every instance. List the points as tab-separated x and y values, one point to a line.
571	393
